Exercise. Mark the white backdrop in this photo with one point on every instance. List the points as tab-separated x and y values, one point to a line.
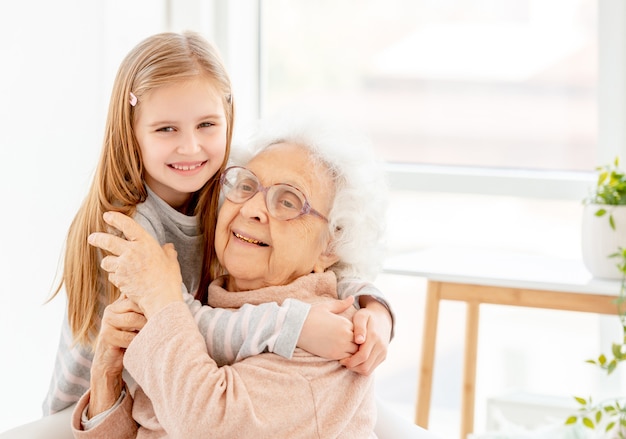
58	62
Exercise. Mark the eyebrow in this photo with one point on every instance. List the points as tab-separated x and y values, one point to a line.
212	116
291	183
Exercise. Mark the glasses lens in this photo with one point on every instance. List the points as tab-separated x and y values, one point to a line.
240	185
285	202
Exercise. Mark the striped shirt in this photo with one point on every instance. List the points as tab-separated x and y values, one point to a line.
230	335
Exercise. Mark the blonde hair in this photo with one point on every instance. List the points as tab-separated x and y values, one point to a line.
159	60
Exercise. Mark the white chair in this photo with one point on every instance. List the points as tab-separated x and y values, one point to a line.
55	426
390	425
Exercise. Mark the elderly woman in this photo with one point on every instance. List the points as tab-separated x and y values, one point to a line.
304	210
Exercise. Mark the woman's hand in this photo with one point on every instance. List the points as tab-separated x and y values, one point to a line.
121	321
326	333
145	272
372	332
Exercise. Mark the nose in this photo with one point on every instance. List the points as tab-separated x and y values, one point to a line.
189	143
255	208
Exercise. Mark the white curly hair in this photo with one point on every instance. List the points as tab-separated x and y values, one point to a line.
357	216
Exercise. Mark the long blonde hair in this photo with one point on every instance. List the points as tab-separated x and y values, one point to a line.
159	60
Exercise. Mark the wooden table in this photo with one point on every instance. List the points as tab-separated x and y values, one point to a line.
477	276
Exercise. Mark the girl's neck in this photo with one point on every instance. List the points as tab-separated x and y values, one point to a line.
183	203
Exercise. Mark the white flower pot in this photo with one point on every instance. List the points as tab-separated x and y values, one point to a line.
599	240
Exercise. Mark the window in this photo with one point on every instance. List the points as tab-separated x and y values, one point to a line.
489	96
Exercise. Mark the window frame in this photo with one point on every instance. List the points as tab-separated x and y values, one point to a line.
241	42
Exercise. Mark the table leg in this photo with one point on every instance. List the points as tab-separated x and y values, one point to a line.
469	370
429	338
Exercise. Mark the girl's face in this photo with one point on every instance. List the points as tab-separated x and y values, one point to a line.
181	130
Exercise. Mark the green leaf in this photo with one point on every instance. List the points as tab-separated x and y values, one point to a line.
602	359
609	426
612	221
571	420
580	400
600	212
602	175
598	416
617	351
588	423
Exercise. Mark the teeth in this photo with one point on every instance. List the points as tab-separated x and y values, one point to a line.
185	167
250	240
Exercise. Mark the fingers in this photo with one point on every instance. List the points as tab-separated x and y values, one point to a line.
123	304
125	315
360	320
111	243
120	323
114	244
362	363
373	331
129	227
367	359
339	306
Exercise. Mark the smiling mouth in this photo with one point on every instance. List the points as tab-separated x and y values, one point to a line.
250	240
186	167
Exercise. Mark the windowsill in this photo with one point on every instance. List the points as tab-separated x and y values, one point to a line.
490	181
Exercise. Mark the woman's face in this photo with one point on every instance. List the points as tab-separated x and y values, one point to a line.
258	250
181	130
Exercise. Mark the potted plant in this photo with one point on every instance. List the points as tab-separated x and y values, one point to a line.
604	221
610	415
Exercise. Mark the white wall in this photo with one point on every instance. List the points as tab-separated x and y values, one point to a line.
58	62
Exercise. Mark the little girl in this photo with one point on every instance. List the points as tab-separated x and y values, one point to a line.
167	139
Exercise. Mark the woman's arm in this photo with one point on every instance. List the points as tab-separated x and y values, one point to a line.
117	423
121	322
230	335
191	396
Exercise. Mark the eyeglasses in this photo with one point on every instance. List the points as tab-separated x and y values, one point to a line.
284	202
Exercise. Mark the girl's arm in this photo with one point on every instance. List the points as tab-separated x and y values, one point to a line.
232	335
373	325
70	378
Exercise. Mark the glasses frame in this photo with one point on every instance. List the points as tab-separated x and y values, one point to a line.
307	209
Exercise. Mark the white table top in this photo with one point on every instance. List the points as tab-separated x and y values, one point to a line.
500	268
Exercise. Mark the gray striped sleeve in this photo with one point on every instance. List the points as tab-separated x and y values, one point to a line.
232	336
72	371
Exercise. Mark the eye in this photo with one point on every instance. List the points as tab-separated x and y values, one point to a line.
288	200
166	129
245	186
206	125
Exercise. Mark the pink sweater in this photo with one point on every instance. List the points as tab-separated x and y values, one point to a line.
182	393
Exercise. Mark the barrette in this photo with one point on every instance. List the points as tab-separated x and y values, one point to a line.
133	99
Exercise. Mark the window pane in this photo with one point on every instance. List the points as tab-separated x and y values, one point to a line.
494	83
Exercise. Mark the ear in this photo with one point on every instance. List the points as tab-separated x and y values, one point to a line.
324	261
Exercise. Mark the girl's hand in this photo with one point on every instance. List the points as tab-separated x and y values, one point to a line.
121	322
145	272
372	332
326	333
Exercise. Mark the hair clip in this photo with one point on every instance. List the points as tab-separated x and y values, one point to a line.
229	98
133	99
